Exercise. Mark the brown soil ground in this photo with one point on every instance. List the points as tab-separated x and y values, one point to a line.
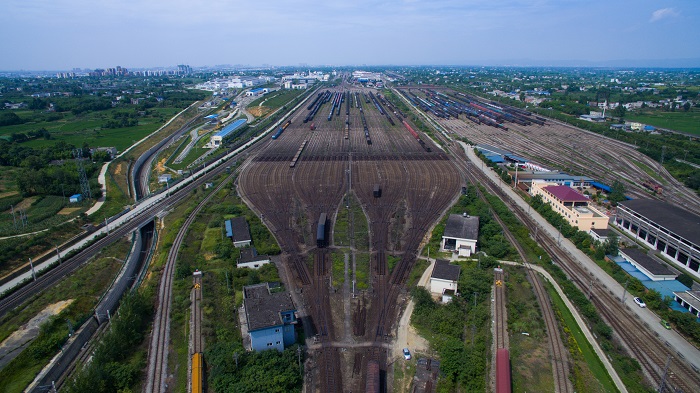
8	193
118	169
68	210
259	111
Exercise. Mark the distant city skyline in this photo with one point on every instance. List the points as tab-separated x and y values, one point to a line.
66	34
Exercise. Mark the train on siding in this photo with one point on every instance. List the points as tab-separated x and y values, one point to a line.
503	382
281	129
321	231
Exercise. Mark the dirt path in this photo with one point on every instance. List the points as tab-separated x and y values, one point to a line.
14	344
406	335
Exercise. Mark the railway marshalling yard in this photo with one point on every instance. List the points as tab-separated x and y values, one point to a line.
417	186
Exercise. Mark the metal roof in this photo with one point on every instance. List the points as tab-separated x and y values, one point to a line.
460	227
444	271
241	232
263	308
231	127
673	218
648	263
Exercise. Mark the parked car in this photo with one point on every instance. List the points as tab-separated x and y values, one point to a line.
406	354
665	324
640	302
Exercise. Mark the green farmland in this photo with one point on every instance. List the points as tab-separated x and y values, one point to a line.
88	128
688	122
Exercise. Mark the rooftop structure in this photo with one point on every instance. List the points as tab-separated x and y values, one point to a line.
218	138
655	270
237	230
444	278
249	258
669	229
269	317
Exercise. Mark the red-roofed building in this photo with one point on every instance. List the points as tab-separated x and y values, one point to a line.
571	205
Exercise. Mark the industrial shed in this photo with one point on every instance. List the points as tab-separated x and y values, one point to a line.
655	270
674	232
461	234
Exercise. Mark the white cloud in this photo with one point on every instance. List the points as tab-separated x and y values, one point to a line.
662	14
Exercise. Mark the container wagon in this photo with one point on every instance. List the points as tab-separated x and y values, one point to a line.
321	231
503	383
377	191
372	383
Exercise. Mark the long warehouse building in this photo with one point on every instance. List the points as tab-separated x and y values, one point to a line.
674	232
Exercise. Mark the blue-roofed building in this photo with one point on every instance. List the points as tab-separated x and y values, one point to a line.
256	92
214	116
76	198
601	186
226	131
494	158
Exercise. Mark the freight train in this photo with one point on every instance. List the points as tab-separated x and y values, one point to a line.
281	129
415	135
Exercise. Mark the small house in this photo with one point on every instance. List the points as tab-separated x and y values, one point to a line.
75	198
269	318
444	278
237	230
249	258
461	233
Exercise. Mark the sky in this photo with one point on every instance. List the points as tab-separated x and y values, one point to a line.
63	34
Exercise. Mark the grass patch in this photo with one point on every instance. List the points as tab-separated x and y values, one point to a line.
581	350
649	171
678	120
86	287
362	271
532	367
338	270
417	271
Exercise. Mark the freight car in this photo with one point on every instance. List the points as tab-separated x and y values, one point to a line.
503	383
321	231
372	383
281	129
415	135
197	378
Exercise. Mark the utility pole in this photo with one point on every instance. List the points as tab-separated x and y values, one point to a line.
31	264
624	291
58	254
301	370
662	384
235	357
663	153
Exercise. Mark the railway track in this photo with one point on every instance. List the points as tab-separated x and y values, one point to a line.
559	353
160	338
645	346
501	326
329	167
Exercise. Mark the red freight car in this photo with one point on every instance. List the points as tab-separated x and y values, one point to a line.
502	371
372	384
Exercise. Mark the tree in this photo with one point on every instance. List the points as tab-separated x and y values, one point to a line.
686	106
617	192
611	246
620	111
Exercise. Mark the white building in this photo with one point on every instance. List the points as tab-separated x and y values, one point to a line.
655	270
443	280
250	259
461	234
